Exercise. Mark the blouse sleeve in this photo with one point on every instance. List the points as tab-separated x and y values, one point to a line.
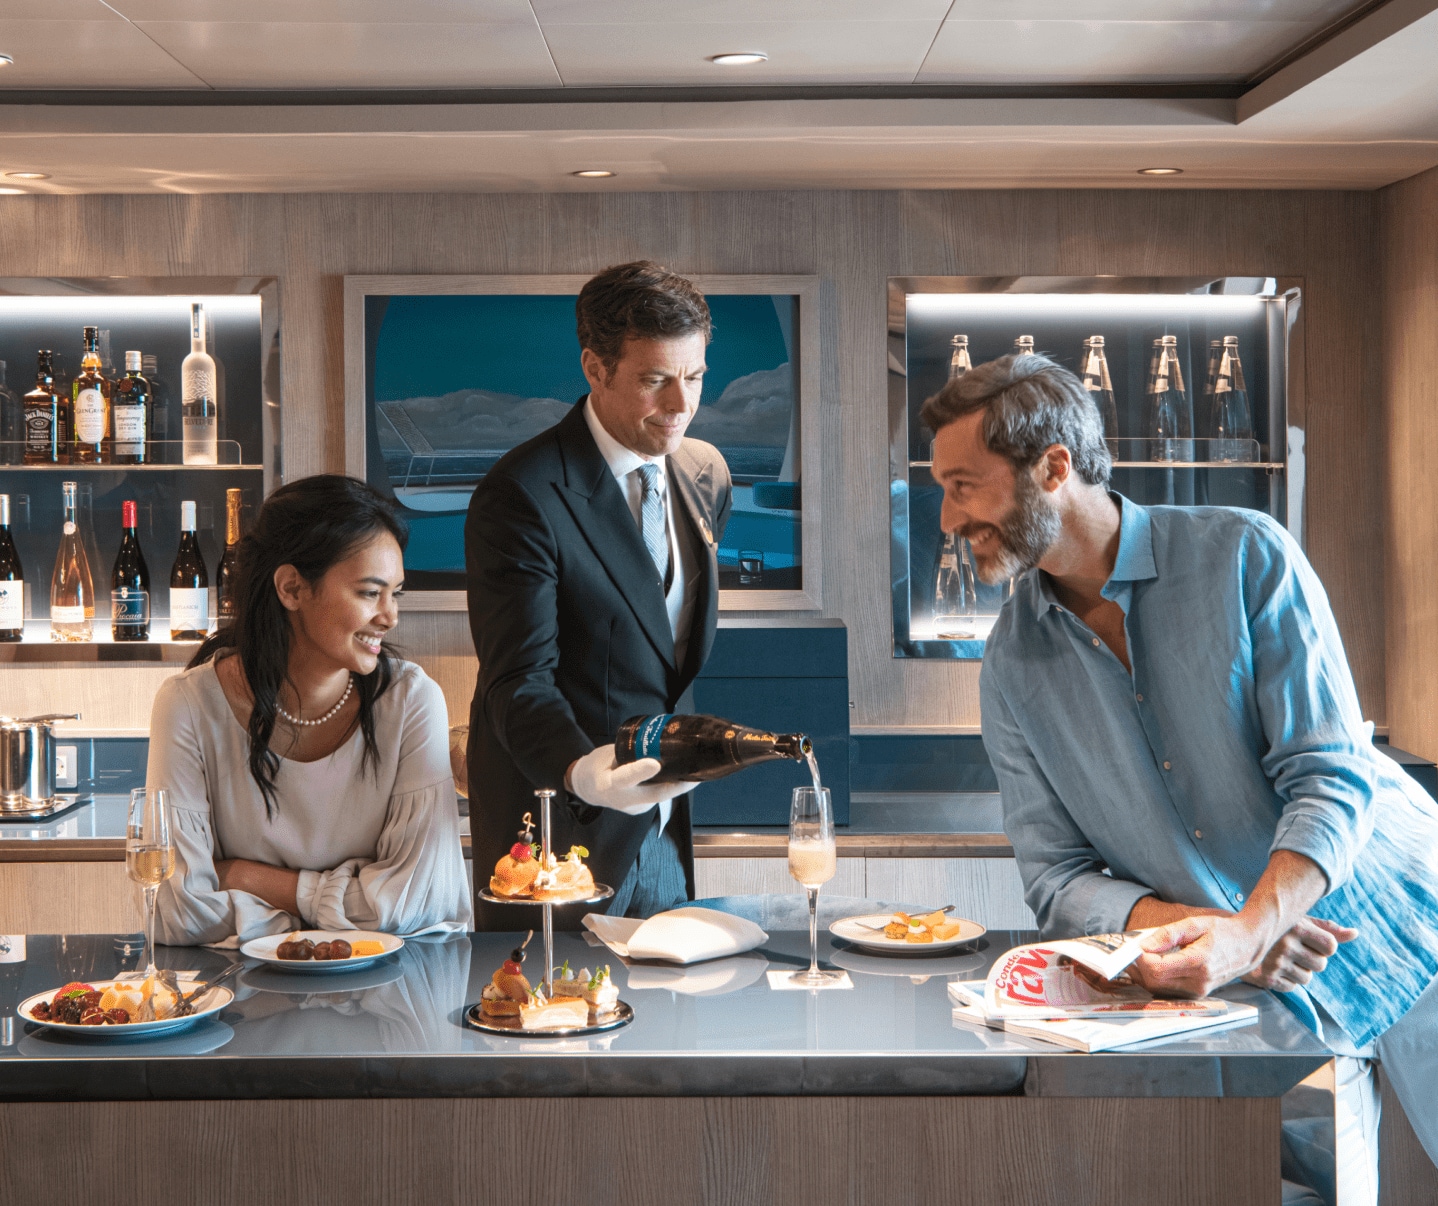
416	883
190	907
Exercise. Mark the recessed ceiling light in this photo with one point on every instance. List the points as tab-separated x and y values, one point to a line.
6	60
1160	171
27	175
10	191
593	174
743	58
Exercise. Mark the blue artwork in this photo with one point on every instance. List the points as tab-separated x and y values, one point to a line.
455	382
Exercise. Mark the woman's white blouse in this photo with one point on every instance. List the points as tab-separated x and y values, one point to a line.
377	848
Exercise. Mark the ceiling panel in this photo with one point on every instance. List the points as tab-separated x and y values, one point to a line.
1096	52
343	12
107	53
241	54
1313	12
858	52
56	10
732	12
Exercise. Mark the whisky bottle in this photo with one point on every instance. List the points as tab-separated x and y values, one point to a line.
1100	387
129	404
189	584
1230	418
12	423
12	581
1170	418
225	575
129	583
47	417
199	425
701	748
71	587
91	395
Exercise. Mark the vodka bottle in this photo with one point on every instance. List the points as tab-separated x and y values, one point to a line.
1230	419
189	584
199	421
12	581
1100	387
955	590
71	587
701	748
1170	418
959	362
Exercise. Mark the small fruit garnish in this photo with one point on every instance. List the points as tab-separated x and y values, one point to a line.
521	852
517	954
73	989
580	851
511	968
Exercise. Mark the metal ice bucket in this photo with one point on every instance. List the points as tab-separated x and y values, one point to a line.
27	762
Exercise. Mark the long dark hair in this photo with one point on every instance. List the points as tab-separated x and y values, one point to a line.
312	524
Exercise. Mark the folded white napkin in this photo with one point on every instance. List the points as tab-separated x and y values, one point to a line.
687	935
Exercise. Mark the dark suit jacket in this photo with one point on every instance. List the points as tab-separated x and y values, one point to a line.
568	616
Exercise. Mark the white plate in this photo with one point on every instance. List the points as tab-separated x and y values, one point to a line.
850	930
264	948
214	1001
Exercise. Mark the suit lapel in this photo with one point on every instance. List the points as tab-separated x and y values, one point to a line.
602	514
692	489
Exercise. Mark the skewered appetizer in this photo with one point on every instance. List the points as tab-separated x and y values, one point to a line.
507	990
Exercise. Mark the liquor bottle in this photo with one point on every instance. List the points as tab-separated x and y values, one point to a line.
701	748
12	423
189	584
198	421
225	575
956	601
48	415
1100	387
1024	345
1230	418
1170	419
12	581
959	362
71	587
159	403
130	583
91	394
129	408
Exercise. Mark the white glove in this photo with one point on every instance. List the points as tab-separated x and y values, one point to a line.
596	779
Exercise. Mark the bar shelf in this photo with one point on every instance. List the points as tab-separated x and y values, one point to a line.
165	456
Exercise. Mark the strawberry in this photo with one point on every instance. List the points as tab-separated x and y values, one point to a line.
520	852
511	968
74	988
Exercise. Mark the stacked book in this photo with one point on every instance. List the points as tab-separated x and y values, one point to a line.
1073	993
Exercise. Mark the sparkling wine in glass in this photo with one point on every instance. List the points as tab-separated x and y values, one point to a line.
812	861
149	854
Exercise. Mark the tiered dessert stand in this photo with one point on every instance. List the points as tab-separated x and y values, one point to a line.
622	1014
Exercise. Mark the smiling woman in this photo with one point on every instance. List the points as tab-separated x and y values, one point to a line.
308	768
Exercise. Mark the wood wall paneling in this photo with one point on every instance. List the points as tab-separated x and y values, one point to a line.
69	898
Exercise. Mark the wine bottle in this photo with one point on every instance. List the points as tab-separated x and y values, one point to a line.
199	417
128	408
702	747
12	423
91	394
959	362
47	417
225	575
71	587
1231	419
129	583
955	591
189	584
12	581
1100	387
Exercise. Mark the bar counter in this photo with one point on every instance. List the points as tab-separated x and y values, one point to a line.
929	1100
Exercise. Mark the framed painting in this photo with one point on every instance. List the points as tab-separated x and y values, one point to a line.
445	374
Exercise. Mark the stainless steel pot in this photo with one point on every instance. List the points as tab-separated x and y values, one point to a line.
27	762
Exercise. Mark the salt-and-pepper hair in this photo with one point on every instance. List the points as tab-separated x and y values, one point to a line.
1029	404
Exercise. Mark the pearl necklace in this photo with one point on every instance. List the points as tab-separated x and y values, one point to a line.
330	715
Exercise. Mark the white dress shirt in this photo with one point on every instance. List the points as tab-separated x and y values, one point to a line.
683	592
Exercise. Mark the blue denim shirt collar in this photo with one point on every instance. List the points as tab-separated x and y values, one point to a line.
1134	562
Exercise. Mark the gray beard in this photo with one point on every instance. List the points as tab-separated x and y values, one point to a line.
1024	537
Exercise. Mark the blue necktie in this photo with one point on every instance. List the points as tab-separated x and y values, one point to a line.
651	515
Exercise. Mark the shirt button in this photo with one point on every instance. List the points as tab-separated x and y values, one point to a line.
1095	642
1168	766
1238	896
1139	697
1198	833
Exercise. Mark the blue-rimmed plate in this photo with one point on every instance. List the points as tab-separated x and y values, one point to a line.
207	1006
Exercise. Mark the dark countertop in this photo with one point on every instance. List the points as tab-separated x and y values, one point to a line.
715	1029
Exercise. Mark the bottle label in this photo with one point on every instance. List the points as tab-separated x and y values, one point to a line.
39	429
129	608
12	605
67	615
647	735
130	429
189	609
89	416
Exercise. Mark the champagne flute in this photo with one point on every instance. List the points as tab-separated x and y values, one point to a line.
812	861
149	853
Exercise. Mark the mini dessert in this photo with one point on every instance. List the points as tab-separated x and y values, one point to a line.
933	927
507	990
597	991
559	1014
527	874
365	946
564	879
515	873
119	1004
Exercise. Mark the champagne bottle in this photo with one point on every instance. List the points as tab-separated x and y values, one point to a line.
129	583
225	575
91	394
189	584
955	591
702	747
1100	387
200	413
12	423
1231	419
47	417
959	362
128	408
12	581
71	587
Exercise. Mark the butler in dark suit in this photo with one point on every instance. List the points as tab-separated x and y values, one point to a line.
593	596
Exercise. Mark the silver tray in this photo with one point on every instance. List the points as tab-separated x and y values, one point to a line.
621	1016
601	892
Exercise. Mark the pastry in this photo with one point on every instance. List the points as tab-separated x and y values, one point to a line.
507	989
560	1013
515	873
564	879
597	990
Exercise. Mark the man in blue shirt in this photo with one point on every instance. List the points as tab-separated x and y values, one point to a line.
1179	745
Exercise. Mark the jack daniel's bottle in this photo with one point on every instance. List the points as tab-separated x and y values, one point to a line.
702	747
